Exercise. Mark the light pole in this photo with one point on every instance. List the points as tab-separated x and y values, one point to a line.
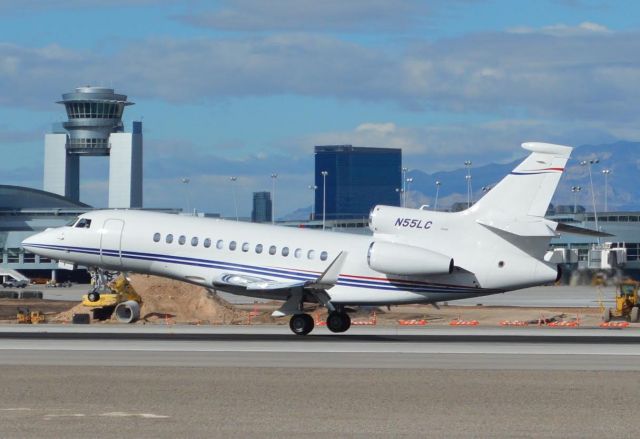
588	164
403	190
438	184
409	180
575	190
185	181
400	193
273	198
467	164
235	199
606	173
324	197
313	187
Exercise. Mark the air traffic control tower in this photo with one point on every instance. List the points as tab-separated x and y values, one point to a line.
94	128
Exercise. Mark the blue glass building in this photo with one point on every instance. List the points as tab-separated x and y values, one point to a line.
357	179
261	212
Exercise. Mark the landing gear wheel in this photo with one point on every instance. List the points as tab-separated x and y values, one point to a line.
606	316
634	315
93	296
338	321
301	324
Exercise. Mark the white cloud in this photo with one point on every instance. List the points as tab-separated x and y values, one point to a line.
560	30
590	76
314	16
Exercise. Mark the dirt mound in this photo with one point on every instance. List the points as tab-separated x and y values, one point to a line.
179	302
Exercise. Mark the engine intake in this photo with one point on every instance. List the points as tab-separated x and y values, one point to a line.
407	260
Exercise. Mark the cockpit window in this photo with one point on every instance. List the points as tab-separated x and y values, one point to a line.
84	223
72	222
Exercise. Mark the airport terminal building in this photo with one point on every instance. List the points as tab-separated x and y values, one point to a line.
23	212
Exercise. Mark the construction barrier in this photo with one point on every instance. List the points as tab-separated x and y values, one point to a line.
373	320
253	313
514	323
413	322
572	324
614	324
464	323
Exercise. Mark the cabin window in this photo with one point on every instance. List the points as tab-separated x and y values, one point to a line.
219	244
156	237
298	253
182	239
207	242
285	251
273	250
259	248
323	256
169	238
232	245
311	254
194	241
245	247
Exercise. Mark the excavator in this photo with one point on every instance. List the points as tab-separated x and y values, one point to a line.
627	303
114	297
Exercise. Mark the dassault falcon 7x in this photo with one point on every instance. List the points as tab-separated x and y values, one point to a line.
414	255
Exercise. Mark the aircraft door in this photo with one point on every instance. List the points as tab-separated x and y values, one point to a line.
110	242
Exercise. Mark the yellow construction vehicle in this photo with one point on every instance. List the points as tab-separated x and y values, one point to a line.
627	302
120	299
25	316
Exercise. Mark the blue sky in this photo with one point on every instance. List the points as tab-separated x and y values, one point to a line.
248	87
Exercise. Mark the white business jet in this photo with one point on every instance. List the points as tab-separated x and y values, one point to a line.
414	256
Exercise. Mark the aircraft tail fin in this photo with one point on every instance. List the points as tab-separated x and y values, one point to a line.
528	189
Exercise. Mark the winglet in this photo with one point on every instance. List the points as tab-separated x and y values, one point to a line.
330	276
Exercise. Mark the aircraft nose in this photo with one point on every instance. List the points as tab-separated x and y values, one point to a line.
31	240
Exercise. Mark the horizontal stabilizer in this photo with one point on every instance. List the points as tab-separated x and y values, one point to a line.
522	227
573	230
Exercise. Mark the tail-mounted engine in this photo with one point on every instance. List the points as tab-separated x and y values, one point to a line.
407	260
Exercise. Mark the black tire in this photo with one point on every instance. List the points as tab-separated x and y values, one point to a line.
606	315
346	324
93	296
338	322
81	319
634	315
103	313
301	324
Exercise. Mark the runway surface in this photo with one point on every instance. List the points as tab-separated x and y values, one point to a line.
185	381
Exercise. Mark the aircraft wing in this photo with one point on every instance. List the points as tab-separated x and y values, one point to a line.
254	283
257	283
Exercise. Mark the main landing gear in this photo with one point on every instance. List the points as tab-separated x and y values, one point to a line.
338	321
302	324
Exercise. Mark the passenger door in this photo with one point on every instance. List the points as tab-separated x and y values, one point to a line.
110	242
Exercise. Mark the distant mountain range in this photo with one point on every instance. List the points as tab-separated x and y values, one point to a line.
623	188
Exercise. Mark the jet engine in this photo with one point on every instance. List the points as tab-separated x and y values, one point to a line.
407	260
128	312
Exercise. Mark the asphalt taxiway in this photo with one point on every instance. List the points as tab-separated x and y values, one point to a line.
262	381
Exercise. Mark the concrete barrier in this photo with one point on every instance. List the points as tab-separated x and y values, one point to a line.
31	295
9	295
